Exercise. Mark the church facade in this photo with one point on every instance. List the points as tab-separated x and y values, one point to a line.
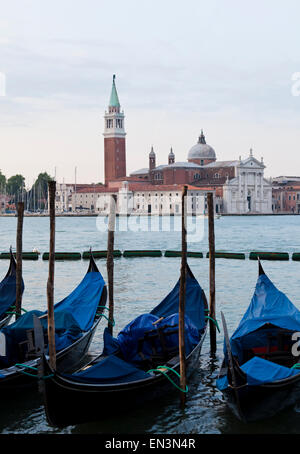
239	185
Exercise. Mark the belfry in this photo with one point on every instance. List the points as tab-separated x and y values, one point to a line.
114	139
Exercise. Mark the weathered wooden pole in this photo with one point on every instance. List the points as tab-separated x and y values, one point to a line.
50	283
110	260
212	286
182	295
19	246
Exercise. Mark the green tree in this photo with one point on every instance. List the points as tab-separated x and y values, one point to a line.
38	194
2	181
15	187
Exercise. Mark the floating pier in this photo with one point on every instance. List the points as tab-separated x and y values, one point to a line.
189	254
269	255
100	254
63	256
142	253
228	255
25	255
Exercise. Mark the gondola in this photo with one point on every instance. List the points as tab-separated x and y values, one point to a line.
8	293
76	319
259	376
138	366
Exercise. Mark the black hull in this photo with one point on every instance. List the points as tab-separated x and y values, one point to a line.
264	401
68	402
66	361
5	321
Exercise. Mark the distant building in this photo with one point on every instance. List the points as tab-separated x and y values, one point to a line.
143	200
239	185
286	195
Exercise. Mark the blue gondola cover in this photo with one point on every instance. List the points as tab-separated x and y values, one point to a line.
268	305
260	371
127	341
110	370
73	315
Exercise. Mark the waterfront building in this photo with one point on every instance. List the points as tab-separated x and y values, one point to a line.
239	185
141	200
286	194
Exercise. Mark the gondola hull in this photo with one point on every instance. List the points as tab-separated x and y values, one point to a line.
264	401
5	320
68	402
14	378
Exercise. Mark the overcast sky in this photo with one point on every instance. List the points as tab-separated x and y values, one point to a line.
222	65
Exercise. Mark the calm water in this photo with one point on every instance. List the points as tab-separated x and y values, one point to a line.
140	283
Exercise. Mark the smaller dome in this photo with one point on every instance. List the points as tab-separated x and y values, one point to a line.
151	154
201	150
171	152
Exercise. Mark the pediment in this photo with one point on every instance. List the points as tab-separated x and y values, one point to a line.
251	162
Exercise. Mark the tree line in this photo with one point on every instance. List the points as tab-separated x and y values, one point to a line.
34	198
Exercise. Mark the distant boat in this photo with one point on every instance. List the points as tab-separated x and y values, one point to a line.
260	374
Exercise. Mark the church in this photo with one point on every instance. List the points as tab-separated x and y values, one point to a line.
239	185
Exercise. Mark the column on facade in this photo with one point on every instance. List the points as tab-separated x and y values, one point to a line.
261	191
255	192
245	192
239	208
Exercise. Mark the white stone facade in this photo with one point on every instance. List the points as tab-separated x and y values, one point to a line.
249	192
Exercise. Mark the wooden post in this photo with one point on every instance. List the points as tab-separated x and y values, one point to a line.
110	260
20	211
182	296
50	283
212	287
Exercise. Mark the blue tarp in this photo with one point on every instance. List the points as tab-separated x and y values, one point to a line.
8	293
110	370
66	332
73	315
84	300
268	305
127	340
260	371
194	302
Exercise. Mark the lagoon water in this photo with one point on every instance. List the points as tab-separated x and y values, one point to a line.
140	284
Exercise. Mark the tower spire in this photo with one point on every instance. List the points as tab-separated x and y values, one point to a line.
114	99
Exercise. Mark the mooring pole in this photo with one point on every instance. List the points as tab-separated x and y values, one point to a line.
182	295
19	245
50	283
110	260
212	286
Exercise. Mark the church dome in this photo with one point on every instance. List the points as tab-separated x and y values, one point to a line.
201	150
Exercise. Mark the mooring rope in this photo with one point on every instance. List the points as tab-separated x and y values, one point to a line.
32	368
158	369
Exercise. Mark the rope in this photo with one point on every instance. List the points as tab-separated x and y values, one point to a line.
158	369
214	321
32	375
109	321
14	312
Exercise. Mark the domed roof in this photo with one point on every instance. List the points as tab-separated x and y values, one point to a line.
201	150
152	154
171	152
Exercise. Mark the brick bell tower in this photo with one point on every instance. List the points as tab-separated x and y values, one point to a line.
114	139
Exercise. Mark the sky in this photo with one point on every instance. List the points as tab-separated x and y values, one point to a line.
228	67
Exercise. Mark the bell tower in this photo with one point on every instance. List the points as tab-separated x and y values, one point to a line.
114	138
